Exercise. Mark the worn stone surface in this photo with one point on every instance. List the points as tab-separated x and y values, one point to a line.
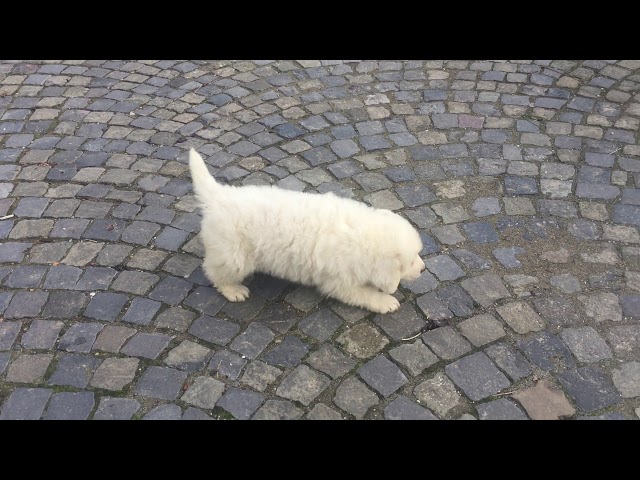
382	375
400	324
288	353
482	329
74	370
331	361
362	340
544	401
70	406
521	317
446	343
303	385
485	289
501	409
415	357
111	408
42	334
602	306
590	388
188	356
546	351
404	409
240	403
28	368
25	404
509	359
204	392
259	375
321	412
115	373
626	378
477	376
161	382
521	178
586	344
438	393
354	397
278	410
167	411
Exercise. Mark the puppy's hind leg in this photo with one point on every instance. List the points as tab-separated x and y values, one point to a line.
227	279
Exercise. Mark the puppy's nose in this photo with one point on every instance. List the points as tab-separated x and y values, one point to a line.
423	268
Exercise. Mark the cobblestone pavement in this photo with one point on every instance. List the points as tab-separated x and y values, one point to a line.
522	177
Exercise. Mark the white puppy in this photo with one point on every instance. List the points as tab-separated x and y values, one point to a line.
350	251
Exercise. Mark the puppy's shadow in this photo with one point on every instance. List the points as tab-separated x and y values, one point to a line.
269	287
261	284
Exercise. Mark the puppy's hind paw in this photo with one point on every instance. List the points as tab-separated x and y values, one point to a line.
385	304
234	293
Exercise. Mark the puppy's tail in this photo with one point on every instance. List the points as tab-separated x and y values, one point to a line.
204	185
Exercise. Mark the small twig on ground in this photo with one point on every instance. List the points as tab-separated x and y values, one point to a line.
615	151
505	393
411	338
6	217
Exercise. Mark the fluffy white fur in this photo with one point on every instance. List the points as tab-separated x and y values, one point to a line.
348	250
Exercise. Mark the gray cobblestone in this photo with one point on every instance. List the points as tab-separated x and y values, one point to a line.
138	283
354	397
26	304
164	412
485	289
586	344
141	311
214	330
204	392
404	409
501	409
241	403
278	410
443	267
105	306
42	334
438	393
590	388
161	382
70	406
446	343
175	318
227	364
146	345
303	385
188	356
25	404
74	370
28	368
80	337
477	376
111	408
382	375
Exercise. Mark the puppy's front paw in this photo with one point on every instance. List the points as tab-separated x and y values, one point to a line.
234	293
385	304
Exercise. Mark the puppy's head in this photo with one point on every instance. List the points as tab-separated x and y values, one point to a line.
413	270
409	246
401	261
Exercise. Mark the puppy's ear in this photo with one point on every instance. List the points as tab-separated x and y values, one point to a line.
386	274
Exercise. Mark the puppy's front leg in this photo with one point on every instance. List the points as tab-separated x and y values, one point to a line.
369	298
234	293
226	280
